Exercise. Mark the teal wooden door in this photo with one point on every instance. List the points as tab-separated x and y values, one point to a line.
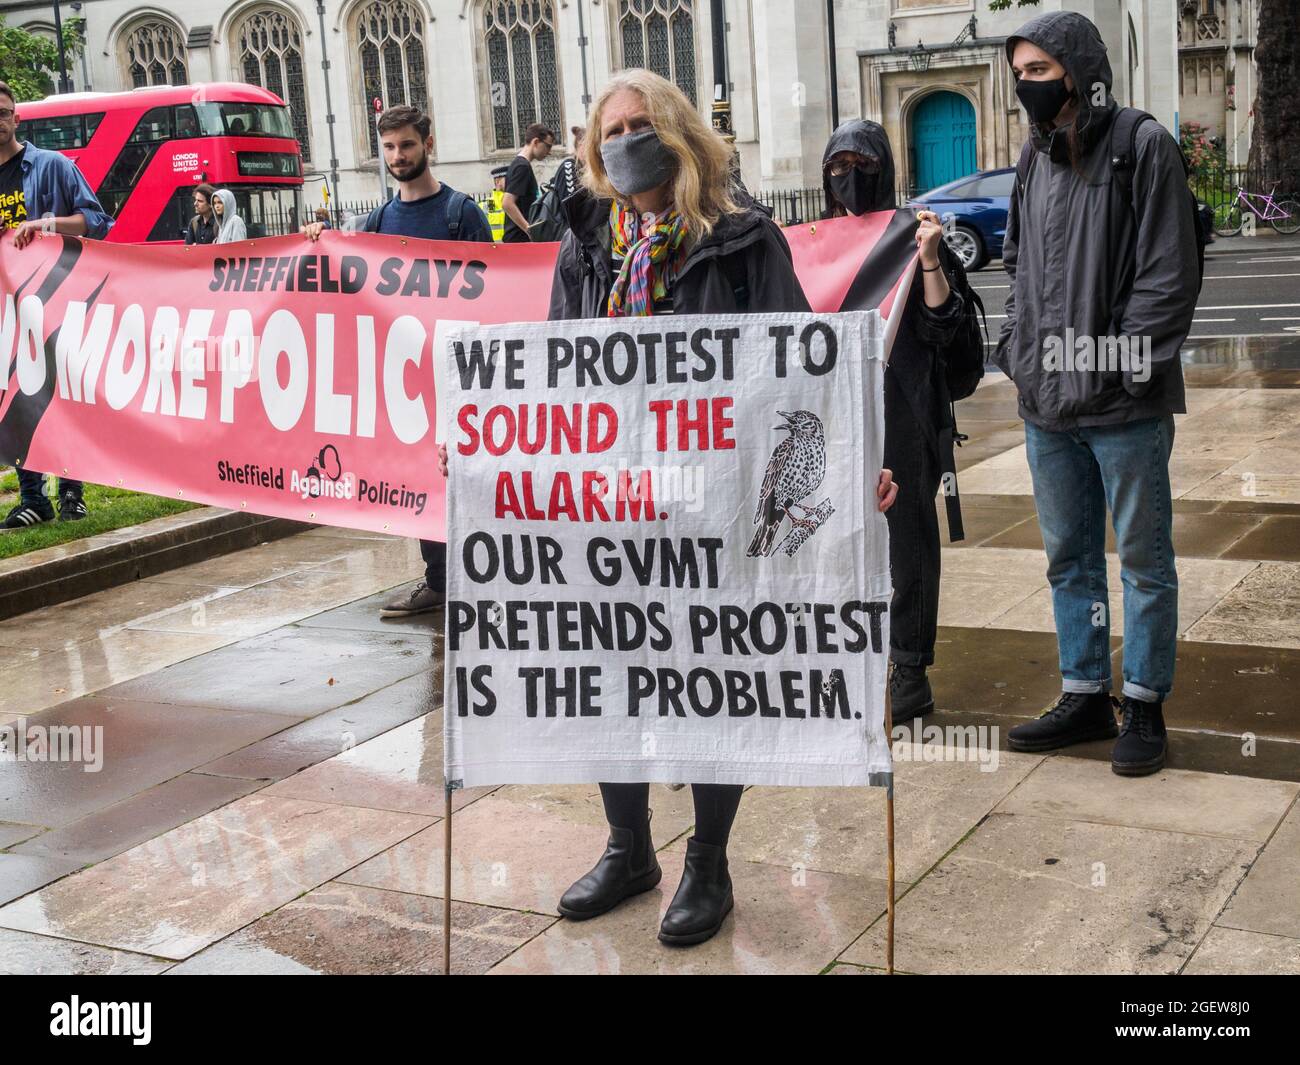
943	140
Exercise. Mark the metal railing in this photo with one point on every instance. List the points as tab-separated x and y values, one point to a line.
791	206
1218	186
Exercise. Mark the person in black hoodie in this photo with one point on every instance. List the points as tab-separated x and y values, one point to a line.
858	177
657	193
1101	252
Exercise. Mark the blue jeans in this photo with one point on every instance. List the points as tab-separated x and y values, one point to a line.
31	487
1077	475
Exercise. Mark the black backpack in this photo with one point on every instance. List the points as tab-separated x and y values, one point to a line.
963	358
546	219
455	212
1123	161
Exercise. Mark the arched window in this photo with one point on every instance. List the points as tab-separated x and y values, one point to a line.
268	46
388	36
519	37
660	36
154	54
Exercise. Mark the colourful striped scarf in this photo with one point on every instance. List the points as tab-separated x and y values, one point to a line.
650	259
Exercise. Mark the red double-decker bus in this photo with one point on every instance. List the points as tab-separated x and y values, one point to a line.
144	151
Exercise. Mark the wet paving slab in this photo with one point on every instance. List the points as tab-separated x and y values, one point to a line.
400	770
25	954
1230	952
137	819
1026	894
293	671
33	680
1264	609
341	929
332	732
842	830
1275	537
119	748
198	883
1201	804
93	616
12	834
21	873
1268	901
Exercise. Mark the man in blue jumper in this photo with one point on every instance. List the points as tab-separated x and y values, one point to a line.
422	207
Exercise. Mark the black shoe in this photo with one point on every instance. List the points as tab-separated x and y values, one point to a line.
703	898
1143	741
72	507
1075	717
25	515
628	867
909	693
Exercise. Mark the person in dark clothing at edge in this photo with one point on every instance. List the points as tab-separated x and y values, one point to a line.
1084	263
656	230
203	226
858	177
521	182
430	209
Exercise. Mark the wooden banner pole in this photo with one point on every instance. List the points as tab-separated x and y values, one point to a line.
446	887
889	843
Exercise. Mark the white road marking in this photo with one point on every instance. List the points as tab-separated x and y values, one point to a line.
1248	306
1241	277
1202	321
1290	318
1236	336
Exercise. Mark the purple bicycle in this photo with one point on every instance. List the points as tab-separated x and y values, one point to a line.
1282	215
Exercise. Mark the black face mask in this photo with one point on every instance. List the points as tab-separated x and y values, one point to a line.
856	190
1043	99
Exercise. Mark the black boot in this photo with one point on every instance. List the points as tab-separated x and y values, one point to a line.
628	867
909	693
1143	741
1075	717
703	898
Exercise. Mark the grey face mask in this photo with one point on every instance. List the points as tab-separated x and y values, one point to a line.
637	161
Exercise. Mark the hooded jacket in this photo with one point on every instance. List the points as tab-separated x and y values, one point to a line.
744	264
926	335
232	226
867	139
1090	275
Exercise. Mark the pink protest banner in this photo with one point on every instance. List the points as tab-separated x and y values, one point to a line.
277	376
289	378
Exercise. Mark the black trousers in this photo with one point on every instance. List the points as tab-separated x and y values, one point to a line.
434	553
626	806
913	533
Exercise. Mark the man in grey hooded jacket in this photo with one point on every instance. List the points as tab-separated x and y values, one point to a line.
1104	283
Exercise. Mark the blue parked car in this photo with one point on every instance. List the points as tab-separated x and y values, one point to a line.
979	204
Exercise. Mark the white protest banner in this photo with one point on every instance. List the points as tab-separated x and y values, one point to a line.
665	562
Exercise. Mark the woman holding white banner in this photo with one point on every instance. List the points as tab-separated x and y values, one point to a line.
660	228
